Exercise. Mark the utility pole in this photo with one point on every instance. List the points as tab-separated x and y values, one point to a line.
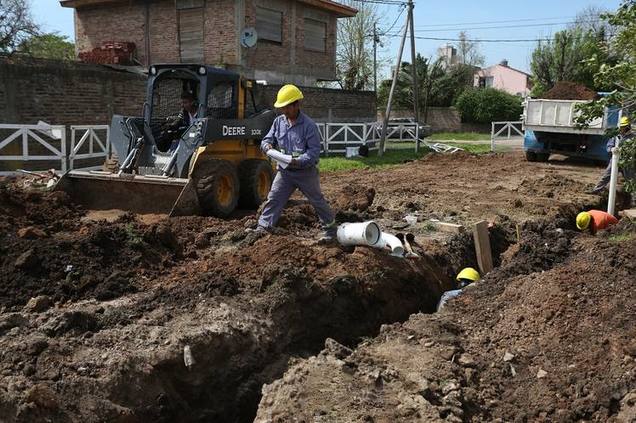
375	59
393	83
416	106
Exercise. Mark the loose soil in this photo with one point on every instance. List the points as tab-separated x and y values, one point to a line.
95	314
566	90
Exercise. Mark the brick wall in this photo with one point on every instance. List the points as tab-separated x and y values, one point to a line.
66	93
322	104
81	94
442	119
223	19
117	22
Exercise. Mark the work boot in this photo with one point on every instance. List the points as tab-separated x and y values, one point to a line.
329	234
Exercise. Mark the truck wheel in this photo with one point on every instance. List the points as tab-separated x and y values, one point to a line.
217	187
256	179
543	157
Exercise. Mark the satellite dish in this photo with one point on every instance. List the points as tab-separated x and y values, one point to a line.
249	37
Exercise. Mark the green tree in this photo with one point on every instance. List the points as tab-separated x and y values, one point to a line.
437	86
16	24
485	105
619	76
565	57
354	52
48	46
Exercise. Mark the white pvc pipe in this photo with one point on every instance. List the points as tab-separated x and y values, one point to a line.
397	249
364	233
282	159
611	201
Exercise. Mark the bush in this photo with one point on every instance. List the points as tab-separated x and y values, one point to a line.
485	105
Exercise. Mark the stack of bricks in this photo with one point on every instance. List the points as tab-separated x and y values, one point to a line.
110	52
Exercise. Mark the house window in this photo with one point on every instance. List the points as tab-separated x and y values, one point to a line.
488	81
269	24
315	35
191	35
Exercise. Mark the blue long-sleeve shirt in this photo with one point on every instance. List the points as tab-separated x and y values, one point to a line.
301	140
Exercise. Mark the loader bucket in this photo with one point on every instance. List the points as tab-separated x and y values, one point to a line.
96	190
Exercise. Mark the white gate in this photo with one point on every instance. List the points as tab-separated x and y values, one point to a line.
24	143
506	136
89	142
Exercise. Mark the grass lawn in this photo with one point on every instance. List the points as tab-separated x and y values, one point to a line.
397	153
459	136
391	157
471	148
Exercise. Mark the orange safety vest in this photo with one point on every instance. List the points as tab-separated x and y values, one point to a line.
601	220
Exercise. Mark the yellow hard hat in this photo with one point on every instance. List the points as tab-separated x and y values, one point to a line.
287	95
469	274
624	122
583	220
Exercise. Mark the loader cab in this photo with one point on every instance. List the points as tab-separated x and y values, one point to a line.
216	92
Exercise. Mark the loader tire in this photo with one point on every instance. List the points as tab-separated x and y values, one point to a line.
217	187
256	179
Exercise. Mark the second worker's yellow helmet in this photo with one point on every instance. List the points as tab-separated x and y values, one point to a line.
469	274
287	95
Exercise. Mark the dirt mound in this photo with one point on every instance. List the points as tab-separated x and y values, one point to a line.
522	345
551	186
566	90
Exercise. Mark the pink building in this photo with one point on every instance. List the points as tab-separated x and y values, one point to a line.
503	77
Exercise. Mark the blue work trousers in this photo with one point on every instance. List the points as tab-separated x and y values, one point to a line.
285	183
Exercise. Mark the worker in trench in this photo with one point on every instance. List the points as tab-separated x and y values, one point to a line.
464	278
294	133
594	220
625	133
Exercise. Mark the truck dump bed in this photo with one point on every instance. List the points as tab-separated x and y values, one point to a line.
560	115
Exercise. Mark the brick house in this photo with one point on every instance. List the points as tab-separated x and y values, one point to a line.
296	38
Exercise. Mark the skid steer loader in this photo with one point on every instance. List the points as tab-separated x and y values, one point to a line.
209	166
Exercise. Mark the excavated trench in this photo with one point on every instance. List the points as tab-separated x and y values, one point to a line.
292	317
243	331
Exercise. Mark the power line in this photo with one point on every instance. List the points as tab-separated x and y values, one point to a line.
476	40
498	27
503	21
394	22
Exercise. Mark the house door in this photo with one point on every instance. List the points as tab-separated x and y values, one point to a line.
191	31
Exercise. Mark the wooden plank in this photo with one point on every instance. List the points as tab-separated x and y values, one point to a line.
629	213
482	246
447	227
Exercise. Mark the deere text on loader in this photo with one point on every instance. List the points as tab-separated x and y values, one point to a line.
208	166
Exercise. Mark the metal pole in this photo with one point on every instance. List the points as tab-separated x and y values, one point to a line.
611	201
388	103
416	96
375	59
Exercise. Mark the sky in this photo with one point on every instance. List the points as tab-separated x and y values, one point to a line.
523	19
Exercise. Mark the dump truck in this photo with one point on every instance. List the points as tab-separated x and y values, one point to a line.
210	166
550	127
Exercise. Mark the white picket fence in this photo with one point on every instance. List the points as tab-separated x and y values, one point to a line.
91	143
48	143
